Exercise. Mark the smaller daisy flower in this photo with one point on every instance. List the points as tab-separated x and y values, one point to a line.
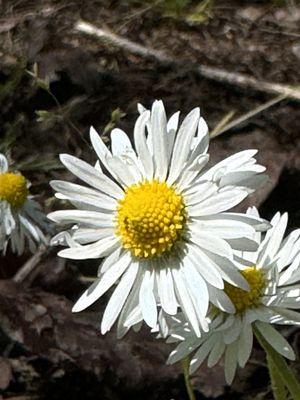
273	274
20	217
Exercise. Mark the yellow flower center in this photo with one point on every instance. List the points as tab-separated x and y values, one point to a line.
13	189
243	299
151	218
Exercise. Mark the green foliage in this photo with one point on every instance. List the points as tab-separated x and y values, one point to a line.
39	82
115	118
188	10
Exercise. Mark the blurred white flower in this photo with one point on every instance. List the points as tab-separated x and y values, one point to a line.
273	274
160	220
21	219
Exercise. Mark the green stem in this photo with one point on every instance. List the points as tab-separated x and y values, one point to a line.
282	369
188	385
278	386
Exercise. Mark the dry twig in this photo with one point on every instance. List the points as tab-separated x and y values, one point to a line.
208	72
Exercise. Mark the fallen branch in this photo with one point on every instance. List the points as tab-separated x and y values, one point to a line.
208	72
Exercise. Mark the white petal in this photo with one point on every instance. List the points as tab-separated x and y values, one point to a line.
86	218
182	144
229	271
118	298
72	191
245	344
147	299
224	228
191	171
203	352
205	266
196	287
199	192
120	143
230	163
95	250
243	244
289	249
109	261
91	176
216	354
3	164
275	339
165	286
33	231
185	300
172	126
210	242
285	317
130	314
89	235
141	144
141	108
255	221
291	274
274	238
248	179
231	334
202	140
159	139
230	362
101	150
101	285
220	299
221	201
122	170
182	350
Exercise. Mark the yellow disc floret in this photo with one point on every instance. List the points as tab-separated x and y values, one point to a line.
13	189
243	299
150	219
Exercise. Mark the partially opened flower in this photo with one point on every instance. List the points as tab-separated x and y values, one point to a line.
21	218
159	220
273	274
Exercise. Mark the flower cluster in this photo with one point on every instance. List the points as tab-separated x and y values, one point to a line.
158	215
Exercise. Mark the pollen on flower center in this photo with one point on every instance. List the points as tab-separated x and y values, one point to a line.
151	218
13	189
243	299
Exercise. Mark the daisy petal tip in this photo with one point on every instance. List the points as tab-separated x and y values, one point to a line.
93	132
63	156
78	307
62	254
141	108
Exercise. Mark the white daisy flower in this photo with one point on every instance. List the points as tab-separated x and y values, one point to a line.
21	218
159	220
273	274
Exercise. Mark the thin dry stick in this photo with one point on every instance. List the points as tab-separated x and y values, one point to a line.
208	72
219	130
29	266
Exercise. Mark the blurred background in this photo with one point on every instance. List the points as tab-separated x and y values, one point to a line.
238	60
